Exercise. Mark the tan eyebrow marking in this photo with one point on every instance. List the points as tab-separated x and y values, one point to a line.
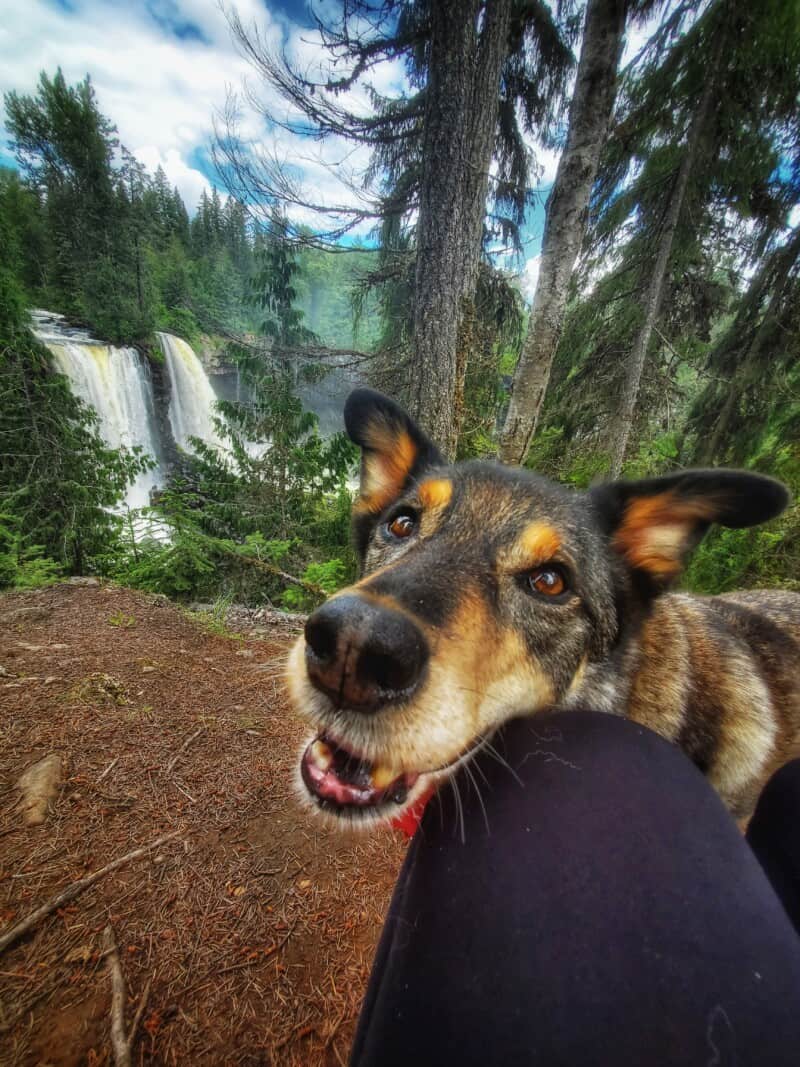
434	496
537	543
436	493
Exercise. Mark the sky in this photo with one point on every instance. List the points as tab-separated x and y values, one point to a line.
162	69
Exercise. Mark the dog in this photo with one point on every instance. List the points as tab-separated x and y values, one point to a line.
488	592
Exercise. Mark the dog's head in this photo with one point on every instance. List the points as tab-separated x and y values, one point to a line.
487	592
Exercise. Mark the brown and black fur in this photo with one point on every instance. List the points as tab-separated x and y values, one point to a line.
718	676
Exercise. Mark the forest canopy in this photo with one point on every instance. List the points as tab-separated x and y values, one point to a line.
665	330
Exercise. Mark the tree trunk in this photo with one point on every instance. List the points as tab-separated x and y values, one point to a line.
655	288
567	210
467	51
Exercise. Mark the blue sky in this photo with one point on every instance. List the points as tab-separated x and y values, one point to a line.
161	69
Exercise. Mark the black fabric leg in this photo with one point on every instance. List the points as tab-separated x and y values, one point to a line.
610	913
774	836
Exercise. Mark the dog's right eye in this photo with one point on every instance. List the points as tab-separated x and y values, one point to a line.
401	526
548	581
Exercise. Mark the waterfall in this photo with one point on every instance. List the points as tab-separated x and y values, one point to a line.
116	383
192	400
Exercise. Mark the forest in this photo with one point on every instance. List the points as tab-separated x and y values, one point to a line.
664	331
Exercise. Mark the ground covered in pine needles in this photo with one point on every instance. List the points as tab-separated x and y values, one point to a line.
245	938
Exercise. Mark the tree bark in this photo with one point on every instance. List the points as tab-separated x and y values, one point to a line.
655	288
565	224
467	51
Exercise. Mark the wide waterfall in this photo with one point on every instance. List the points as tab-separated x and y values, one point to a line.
192	400
116	383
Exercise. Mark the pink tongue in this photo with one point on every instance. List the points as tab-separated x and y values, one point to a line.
330	787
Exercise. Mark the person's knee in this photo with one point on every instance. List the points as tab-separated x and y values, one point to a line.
778	807
578	768
783	788
599	743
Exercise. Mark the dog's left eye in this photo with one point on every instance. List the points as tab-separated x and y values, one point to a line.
547	581
401	526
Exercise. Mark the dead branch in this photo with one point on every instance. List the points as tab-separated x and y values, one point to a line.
119	1042
75	889
183	748
108	769
139	1012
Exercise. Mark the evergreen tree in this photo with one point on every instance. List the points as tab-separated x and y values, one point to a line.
691	188
64	147
482	74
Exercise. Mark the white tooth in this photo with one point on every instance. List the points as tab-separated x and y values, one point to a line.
382	776
321	755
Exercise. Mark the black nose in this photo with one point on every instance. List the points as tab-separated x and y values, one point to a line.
362	655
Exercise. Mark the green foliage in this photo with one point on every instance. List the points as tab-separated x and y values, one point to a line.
328	576
326	283
22	565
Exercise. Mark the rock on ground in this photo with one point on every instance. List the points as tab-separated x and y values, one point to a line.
39	785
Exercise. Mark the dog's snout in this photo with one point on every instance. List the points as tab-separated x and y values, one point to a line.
362	655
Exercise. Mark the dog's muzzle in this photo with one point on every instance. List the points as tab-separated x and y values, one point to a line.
364	657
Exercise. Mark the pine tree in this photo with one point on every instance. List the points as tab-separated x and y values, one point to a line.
482	75
64	148
691	188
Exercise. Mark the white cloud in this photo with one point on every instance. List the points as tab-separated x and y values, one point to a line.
530	278
191	183
160	89
547	164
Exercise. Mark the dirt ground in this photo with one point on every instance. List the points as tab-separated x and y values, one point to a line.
253	927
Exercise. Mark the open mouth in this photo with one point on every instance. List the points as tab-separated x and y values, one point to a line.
341	780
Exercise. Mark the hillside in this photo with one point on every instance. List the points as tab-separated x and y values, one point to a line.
254	927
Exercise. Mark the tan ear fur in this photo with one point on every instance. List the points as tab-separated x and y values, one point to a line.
656	531
387	461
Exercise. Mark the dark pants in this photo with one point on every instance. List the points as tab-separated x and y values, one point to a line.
602	908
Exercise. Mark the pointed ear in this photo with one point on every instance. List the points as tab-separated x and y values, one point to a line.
393	448
654	524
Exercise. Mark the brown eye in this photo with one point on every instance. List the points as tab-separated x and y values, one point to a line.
401	526
549	581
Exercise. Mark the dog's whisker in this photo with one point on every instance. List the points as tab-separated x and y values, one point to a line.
492	751
480	770
480	798
459	809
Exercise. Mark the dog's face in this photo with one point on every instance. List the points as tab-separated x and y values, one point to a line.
487	593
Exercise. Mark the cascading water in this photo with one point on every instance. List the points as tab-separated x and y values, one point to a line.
192	400
116	383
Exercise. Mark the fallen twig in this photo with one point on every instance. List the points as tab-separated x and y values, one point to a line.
75	889
119	1042
183	748
108	769
139	1011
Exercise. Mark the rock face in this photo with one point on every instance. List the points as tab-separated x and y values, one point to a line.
39	784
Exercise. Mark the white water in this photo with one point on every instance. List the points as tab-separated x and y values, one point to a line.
192	400
116	383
